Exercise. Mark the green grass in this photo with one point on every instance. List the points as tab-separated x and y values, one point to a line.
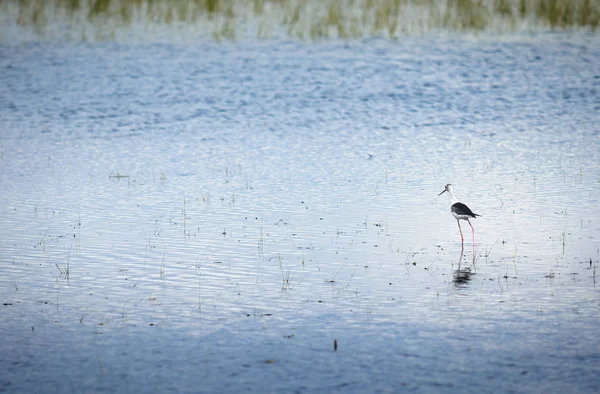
304	19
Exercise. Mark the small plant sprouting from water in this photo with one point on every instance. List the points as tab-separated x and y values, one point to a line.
119	176
285	276
42	241
563	238
332	280
488	251
407	261
66	270
261	238
515	258
162	266
63	272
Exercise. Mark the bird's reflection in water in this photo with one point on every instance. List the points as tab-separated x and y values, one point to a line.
462	276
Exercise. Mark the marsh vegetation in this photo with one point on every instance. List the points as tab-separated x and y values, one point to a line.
307	20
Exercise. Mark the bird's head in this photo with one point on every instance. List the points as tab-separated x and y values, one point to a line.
448	189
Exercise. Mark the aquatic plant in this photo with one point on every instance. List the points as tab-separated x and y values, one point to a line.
304	19
285	276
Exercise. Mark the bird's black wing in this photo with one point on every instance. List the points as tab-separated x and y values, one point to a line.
461	209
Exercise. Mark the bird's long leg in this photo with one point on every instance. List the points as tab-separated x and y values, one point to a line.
473	230
462	239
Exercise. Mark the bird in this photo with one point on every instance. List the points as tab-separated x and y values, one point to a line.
460	211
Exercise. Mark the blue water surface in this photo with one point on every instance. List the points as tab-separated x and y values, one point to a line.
264	216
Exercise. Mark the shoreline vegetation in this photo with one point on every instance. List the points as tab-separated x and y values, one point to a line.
97	20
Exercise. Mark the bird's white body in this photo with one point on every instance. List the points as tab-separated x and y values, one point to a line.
460	217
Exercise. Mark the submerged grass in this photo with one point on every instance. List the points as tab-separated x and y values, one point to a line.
304	19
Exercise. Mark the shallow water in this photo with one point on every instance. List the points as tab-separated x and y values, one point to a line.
211	217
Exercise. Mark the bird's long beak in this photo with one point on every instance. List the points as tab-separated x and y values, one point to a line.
443	191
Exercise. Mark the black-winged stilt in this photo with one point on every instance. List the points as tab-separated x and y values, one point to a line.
460	211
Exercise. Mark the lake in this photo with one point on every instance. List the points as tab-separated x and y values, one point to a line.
264	216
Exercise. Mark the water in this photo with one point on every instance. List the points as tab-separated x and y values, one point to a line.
212	217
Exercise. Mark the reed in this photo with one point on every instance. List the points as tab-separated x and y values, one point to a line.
304	19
